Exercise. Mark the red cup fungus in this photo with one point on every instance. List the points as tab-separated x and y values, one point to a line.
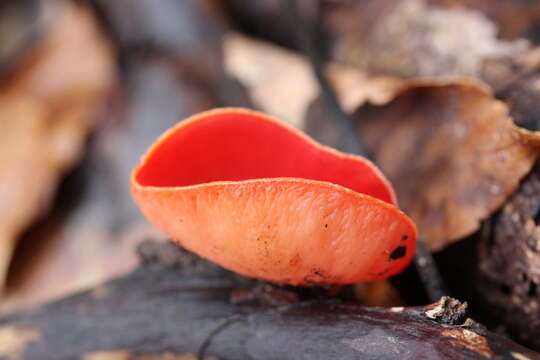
258	197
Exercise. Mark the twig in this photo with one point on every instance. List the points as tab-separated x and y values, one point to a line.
308	44
428	272
348	127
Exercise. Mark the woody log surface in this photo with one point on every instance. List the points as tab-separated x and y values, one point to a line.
176	303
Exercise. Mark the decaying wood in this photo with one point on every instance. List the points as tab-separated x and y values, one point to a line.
187	306
509	262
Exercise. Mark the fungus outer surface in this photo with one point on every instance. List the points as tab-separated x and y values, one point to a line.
260	198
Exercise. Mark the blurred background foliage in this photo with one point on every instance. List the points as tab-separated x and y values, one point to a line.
436	88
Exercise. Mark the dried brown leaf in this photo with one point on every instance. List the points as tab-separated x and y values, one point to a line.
91	234
46	112
281	81
417	38
451	151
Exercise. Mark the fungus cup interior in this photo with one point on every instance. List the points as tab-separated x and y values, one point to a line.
260	198
237	144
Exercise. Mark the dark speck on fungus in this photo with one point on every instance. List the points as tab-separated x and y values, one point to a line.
398	253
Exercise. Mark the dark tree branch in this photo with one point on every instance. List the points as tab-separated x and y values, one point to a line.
308	42
185	307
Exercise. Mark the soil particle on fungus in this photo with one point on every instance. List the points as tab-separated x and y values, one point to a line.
398	253
295	261
318	273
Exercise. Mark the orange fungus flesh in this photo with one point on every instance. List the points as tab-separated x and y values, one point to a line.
262	199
